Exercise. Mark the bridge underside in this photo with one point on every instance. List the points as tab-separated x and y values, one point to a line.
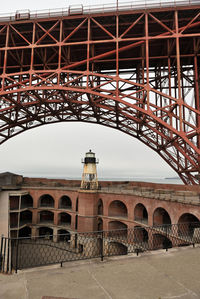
135	71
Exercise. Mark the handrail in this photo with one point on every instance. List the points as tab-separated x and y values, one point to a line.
84	10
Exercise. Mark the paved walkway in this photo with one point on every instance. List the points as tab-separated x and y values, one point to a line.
156	275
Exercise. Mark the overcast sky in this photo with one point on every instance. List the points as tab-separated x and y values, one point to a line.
56	150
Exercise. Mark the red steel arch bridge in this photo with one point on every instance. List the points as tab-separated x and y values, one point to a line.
134	67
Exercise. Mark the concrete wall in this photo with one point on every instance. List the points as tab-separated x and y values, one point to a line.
4	215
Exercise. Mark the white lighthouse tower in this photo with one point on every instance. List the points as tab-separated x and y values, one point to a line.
89	176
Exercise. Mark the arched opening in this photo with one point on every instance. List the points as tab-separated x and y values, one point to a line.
100	224
161	242
25	217
13	220
26	201
189	226
65	203
77	204
46	217
117	209
100	207
14	202
64	219
63	235
140	213
140	235
117	229
46	232
25	232
116	248
46	201
76	222
161	217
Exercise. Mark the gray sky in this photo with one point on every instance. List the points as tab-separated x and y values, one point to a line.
56	150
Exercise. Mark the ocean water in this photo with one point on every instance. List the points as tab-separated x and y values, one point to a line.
174	180
150	180
159	180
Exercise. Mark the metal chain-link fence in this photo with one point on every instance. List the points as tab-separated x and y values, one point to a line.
51	249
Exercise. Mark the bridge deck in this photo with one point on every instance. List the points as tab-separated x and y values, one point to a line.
95	9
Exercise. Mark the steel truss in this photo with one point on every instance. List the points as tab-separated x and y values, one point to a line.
135	71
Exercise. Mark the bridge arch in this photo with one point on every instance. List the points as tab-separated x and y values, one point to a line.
129	123
84	81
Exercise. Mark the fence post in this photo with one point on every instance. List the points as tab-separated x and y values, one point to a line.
8	256
102	253
4	254
16	262
1	249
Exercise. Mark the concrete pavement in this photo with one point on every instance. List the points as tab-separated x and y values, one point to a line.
153	275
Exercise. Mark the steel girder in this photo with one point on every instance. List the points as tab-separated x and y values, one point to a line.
135	71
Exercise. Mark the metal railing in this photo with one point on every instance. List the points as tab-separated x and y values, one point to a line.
20	253
84	10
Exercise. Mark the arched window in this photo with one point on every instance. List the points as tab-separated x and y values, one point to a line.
46	217
140	213
26	201
25	217
25	232
63	235
76	222
46	232
117	208
77	204
100	224
46	201
100	207
161	217
189	226
117	248
65	202
64	219
117	229
140	235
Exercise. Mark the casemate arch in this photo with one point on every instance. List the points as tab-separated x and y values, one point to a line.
134	71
